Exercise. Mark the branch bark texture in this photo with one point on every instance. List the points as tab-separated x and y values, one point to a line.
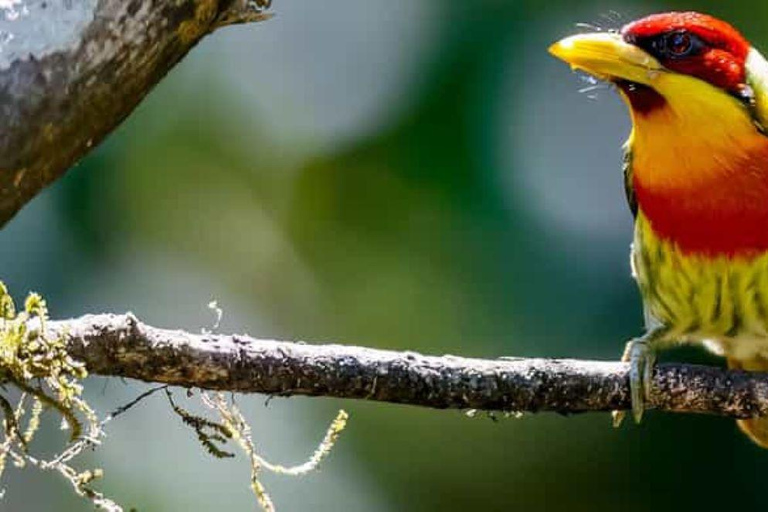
71	71
120	345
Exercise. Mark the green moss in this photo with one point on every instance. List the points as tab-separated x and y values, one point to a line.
39	366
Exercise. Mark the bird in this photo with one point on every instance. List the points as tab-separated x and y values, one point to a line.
696	179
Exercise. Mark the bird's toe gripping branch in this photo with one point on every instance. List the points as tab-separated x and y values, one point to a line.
641	358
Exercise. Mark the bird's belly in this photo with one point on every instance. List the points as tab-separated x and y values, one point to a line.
718	301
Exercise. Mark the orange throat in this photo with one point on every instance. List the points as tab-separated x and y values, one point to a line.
702	183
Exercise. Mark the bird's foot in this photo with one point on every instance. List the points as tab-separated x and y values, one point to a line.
641	358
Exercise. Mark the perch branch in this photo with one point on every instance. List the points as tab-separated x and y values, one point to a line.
120	345
70	72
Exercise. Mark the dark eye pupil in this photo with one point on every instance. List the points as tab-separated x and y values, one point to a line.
678	44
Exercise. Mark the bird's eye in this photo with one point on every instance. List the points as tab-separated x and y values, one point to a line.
678	44
670	45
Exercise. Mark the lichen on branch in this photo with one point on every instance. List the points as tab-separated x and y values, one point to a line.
38	374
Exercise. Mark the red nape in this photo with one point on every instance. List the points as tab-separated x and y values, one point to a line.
722	61
727	218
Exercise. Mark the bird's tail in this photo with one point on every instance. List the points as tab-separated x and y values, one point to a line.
756	428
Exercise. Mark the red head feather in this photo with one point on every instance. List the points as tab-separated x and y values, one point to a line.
719	58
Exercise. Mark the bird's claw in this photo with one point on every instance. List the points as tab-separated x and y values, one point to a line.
641	359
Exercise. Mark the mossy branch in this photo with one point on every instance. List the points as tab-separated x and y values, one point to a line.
35	361
45	376
120	345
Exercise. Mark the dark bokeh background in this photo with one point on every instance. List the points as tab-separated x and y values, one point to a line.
411	174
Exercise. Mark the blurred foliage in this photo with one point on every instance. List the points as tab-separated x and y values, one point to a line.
417	231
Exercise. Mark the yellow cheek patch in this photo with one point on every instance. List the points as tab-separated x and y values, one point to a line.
699	135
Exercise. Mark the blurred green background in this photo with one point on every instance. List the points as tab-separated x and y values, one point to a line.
409	174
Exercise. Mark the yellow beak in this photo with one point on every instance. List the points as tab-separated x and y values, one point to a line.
607	57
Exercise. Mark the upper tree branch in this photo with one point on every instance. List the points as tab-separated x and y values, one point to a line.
70	72
120	345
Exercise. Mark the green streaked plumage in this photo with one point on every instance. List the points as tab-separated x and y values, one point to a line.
720	300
